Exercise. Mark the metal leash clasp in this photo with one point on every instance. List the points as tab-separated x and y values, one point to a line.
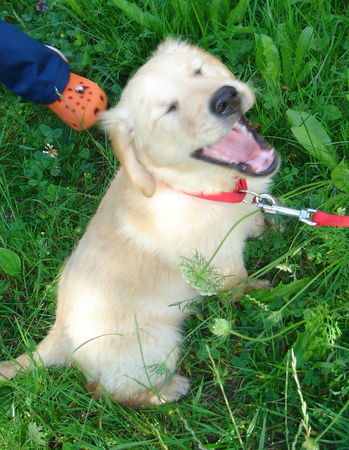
271	205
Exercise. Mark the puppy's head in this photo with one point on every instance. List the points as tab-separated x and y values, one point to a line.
181	117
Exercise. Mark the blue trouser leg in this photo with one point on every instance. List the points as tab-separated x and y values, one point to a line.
30	69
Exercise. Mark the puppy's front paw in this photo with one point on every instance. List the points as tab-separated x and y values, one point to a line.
258	284
8	370
176	388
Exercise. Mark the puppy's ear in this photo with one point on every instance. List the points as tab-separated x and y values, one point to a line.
121	135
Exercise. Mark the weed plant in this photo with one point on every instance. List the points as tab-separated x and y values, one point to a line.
269	370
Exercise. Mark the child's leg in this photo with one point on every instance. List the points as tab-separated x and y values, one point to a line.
39	74
30	69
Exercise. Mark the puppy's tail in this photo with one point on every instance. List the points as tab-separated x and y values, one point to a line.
52	351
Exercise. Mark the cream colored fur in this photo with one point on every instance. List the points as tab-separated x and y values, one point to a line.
114	315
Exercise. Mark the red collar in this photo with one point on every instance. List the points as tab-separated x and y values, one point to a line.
319	218
234	196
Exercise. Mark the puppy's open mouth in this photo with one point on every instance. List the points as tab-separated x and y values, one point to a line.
241	149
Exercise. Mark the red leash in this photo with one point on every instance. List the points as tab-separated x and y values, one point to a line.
330	220
271	205
309	216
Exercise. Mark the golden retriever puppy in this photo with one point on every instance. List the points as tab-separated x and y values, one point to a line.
178	132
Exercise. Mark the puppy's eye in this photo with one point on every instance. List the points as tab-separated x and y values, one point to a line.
172	108
197	71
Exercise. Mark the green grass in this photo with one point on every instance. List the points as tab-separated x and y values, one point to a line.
246	391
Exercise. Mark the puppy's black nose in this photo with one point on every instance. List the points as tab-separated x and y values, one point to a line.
225	101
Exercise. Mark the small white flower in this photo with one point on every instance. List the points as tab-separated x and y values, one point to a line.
285	268
50	150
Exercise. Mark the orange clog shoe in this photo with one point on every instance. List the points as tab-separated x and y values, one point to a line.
80	103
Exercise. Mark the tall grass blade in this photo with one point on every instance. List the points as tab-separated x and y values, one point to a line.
252	426
305	72
261	445
268	60
304	42
183	13
75	7
199	14
238	13
286	51
135	13
215	16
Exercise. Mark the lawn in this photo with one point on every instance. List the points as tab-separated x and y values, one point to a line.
269	370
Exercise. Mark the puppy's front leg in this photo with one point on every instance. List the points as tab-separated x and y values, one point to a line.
258	225
240	282
233	278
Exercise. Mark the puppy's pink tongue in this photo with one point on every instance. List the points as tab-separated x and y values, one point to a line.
237	147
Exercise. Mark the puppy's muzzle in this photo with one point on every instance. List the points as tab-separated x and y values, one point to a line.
225	102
